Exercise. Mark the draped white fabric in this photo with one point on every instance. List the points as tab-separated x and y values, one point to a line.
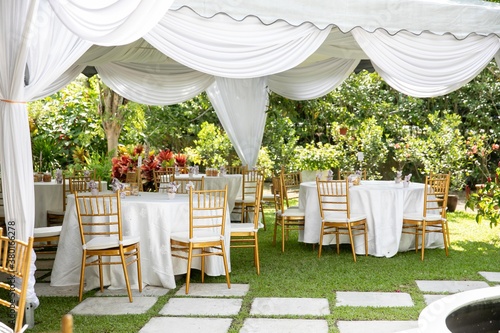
154	84
427	65
312	81
224	47
110	22
241	107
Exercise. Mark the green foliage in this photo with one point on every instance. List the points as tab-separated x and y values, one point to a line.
177	126
280	139
439	147
315	156
486	201
212	148
101	163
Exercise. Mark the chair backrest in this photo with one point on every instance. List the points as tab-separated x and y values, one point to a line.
81	184
256	210
160	177
198	184
291	184
344	174
249	183
16	260
436	194
333	198
207	211
99	215
235	169
277	187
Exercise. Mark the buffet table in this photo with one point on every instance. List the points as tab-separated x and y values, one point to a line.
383	203
151	216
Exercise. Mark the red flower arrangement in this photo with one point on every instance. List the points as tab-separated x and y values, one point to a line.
128	161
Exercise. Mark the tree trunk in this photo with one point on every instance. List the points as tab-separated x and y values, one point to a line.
112	115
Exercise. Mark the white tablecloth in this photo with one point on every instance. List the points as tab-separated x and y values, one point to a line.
151	216
233	183
48	196
383	203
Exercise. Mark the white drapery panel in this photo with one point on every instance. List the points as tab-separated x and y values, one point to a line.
234	49
241	106
497	58
312	81
427	65
154	84
110	22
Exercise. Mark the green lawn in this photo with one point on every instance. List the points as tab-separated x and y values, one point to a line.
299	273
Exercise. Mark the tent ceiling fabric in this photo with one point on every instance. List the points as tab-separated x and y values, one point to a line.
457	17
164	51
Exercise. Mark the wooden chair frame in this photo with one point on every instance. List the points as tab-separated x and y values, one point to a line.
99	217
336	217
245	235
207	220
433	218
161	176
246	203
287	218
15	263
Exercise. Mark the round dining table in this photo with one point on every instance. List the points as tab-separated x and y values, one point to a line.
383	203
153	217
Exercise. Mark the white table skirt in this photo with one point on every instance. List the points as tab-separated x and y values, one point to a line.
151	216
233	182
49	196
383	203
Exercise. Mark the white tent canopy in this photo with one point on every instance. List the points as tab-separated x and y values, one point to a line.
165	52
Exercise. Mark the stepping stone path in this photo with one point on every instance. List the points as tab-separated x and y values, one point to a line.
212	307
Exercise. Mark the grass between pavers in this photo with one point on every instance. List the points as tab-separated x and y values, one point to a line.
299	273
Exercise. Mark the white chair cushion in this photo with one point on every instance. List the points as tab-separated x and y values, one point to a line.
47	231
246	201
109	242
342	217
420	217
199	237
247	227
293	212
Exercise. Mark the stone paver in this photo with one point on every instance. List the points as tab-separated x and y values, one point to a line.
187	325
375	299
376	326
431	298
290	306
44	289
491	276
214	290
148	291
114	306
253	325
202	307
434	286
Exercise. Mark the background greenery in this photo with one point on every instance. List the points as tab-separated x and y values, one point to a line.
450	133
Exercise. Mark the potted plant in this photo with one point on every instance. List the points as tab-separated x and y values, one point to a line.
315	158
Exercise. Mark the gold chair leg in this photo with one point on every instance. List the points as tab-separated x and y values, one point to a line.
256	255
321	239
82	275
139	272
188	273
351	239
224	258
125	273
